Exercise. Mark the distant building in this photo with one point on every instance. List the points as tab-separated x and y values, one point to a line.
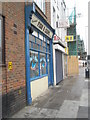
81	48
56	14
26	43
72	44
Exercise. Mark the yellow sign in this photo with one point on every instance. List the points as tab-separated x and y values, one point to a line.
69	38
66	50
10	65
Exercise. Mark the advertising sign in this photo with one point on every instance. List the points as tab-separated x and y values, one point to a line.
39	24
69	38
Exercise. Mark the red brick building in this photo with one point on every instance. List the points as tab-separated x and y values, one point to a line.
14	62
13	43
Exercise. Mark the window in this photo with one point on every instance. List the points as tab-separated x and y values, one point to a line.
54	17
2	49
48	60
34	71
41	4
40	36
35	33
0	43
42	64
39	56
44	6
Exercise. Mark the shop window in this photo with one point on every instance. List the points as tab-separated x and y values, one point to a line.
48	63
41	36
35	33
39	49
34	69
31	38
38	41
48	48
35	46
2	44
44	44
42	64
47	41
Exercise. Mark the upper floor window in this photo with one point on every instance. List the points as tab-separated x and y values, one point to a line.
0	40
2	56
41	4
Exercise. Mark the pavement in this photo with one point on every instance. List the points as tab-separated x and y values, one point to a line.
69	99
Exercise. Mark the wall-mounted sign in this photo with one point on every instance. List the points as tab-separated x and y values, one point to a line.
66	50
56	37
10	65
39	24
69	38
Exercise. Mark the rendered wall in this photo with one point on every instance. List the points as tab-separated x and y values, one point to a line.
73	65
38	87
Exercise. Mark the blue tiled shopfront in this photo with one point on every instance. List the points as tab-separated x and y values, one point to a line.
38	49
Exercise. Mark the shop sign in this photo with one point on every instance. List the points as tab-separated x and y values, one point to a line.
56	37
69	38
39	24
66	50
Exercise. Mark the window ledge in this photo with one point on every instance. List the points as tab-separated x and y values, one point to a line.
2	65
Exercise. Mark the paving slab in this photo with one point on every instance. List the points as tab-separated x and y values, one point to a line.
82	112
68	109
84	98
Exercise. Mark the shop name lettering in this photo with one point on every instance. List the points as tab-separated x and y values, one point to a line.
43	28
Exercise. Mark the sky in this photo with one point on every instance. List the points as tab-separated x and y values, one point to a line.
82	21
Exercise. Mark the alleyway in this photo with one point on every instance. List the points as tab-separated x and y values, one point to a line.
69	99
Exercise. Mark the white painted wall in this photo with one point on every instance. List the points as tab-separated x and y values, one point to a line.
59	11
38	87
63	64
54	65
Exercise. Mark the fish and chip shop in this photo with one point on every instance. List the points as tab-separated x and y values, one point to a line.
39	52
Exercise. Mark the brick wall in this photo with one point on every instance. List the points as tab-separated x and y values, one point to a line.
14	81
48	10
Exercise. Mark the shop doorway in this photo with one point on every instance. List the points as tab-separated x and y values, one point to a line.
59	67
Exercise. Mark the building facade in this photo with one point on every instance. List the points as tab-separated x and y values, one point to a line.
56	11
72	42
38	52
26	47
13	58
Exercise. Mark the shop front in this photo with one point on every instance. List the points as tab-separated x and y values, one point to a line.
59	60
39	53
